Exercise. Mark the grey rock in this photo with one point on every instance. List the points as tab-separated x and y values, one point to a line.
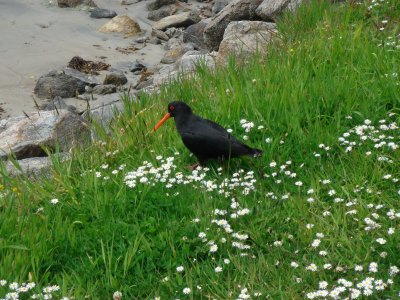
27	136
206	11
173	43
243	38
75	3
155	41
218	6
180	20
34	166
104	89
159	34
116	78
57	103
129	2
194	34
172	55
165	75
144	84
192	59
99	13
173	32
141	40
272	9
137	67
64	83
294	4
158	4
160	13
104	109
87	79
236	10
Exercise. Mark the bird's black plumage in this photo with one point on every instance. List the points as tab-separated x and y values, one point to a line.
204	138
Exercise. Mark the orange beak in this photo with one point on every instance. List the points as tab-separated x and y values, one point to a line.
158	125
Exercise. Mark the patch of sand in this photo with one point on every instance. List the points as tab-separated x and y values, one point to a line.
36	37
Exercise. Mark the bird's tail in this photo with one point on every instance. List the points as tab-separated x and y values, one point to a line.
255	152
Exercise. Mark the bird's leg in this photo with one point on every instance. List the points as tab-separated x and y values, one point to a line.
201	163
193	167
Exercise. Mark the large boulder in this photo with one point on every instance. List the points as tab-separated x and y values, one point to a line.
64	83
237	10
180	20
75	3
194	34
26	136
158	4
121	24
272	9
243	38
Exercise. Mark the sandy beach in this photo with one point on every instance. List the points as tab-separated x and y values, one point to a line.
37	36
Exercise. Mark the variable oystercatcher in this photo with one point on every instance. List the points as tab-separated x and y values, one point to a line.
204	138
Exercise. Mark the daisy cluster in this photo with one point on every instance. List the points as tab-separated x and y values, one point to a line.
371	223
344	289
380	9
248	127
245	294
237	185
378	5
384	136
374	223
164	173
282	173
105	172
236	239
391	42
28	290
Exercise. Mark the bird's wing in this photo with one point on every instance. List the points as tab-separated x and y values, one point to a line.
221	130
216	127
213	143
205	144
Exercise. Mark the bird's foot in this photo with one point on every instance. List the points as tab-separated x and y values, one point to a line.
193	167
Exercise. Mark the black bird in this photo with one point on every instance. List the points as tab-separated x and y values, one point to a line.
204	138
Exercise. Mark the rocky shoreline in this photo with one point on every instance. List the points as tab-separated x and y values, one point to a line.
186	32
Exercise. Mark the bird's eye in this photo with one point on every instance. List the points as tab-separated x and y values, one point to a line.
171	108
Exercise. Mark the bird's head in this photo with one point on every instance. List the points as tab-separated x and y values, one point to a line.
175	109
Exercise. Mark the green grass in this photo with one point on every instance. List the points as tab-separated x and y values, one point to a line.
103	236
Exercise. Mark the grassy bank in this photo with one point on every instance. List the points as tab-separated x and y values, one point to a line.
318	214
